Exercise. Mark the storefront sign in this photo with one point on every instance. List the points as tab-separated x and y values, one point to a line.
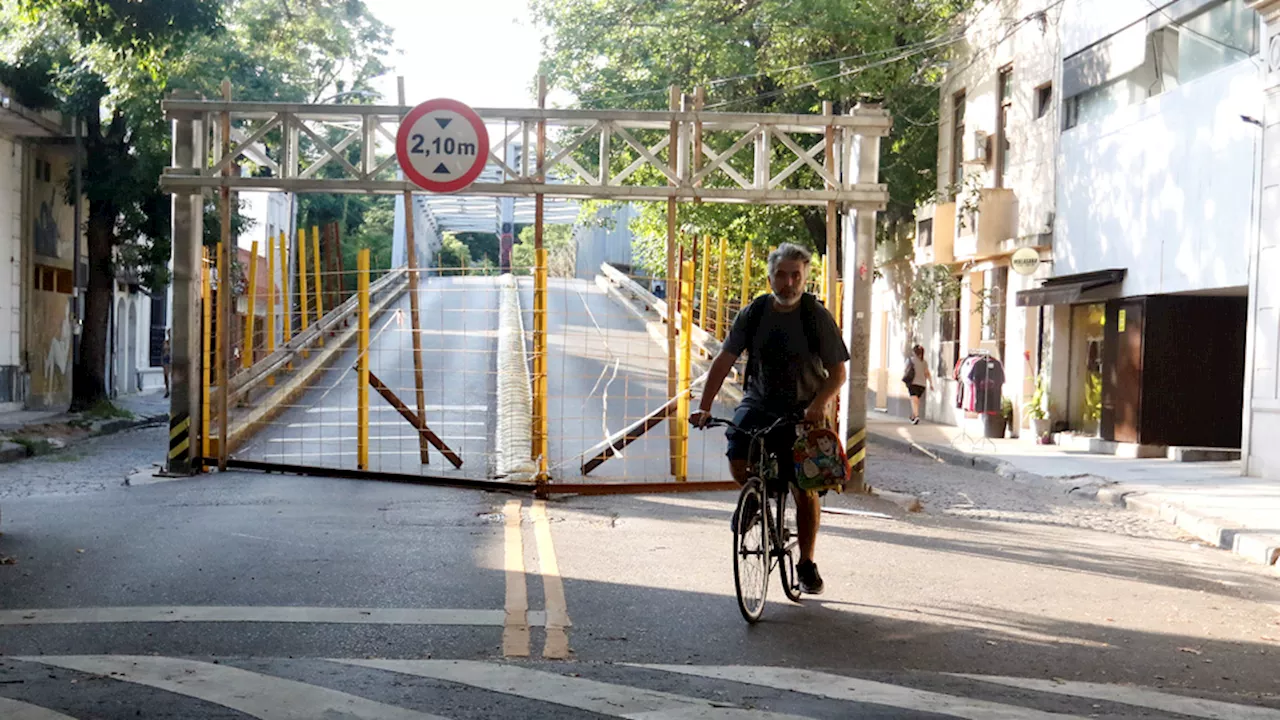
1025	261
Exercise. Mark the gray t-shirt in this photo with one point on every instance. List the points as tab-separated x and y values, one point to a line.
788	376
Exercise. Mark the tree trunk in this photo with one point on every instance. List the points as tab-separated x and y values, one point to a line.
89	385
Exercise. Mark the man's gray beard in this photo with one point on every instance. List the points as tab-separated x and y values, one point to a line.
787	303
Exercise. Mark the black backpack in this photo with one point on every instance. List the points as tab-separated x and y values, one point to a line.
809	308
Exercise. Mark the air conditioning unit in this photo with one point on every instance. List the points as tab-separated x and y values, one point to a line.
977	145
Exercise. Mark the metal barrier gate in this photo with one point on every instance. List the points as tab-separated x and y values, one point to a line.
478	379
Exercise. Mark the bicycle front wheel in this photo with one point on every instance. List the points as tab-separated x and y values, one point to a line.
751	551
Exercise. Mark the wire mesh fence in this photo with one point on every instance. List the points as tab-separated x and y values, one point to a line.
580	387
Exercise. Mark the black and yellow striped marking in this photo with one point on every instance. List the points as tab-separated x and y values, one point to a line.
179	435
856	450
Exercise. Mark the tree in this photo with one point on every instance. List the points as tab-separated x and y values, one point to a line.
759	56
109	63
561	252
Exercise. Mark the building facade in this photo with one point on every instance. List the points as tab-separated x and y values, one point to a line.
995	196
1155	179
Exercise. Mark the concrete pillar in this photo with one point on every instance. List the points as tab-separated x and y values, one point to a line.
1261	421
187	225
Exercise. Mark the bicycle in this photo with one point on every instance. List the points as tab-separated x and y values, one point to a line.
759	547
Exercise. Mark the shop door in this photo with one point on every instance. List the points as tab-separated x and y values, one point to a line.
1122	399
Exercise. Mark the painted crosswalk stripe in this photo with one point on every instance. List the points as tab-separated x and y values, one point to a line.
620	701
18	710
1140	697
249	614
839	687
515	631
261	696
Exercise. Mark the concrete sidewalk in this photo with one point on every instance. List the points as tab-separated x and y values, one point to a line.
1210	500
63	427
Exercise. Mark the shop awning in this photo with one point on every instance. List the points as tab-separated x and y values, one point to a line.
1067	289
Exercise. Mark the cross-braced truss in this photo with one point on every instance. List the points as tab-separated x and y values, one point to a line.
600	154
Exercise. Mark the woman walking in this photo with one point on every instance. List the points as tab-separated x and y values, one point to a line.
917	377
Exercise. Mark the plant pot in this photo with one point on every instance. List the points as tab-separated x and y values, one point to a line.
1040	427
993	426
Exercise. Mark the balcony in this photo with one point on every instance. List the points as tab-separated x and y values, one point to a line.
983	227
935	233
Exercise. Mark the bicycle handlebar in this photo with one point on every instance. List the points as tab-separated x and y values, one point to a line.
779	420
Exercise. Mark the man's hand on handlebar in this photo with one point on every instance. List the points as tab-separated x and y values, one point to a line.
700	418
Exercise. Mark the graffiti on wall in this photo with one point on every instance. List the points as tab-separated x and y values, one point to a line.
51	345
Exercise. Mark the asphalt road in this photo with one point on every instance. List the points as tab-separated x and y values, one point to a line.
250	595
245	595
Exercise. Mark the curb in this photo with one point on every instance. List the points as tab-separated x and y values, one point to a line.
1262	548
13	452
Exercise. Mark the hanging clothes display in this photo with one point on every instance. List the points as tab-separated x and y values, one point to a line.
986	381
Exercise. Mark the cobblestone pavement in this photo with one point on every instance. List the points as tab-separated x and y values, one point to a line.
87	466
954	491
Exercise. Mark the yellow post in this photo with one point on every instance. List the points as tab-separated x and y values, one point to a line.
819	268
286	307
724	248
271	301
246	357
706	268
206	364
685	374
315	246
542	426
838	310
302	279
745	299
220	334
362	388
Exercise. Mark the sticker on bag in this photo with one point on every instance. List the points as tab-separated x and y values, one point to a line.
820	460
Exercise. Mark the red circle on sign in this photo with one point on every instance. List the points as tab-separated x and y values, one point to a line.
406	129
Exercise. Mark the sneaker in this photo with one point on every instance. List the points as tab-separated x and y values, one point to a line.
915	421
810	580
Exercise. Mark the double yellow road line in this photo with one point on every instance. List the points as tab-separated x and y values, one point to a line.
515	631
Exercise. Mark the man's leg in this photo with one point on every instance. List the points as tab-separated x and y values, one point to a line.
738	468
808	518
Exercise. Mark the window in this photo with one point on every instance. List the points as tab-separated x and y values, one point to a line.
1044	100
957	138
997	282
159	319
948	334
52	279
1220	36
1004	103
924	233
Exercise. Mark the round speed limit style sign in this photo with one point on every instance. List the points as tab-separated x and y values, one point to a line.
442	145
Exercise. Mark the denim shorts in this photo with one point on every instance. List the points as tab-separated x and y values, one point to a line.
779	442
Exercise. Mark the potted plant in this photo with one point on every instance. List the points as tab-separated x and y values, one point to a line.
1038	410
1006	411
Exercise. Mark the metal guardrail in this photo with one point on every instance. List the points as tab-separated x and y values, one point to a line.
243	383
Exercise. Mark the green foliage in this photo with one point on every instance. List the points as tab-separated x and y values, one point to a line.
375	235
933	285
454	253
1093	397
758	56
561	252
1038	407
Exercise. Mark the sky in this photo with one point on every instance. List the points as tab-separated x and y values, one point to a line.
483	53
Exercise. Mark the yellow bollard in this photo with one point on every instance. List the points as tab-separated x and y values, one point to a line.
362	359
319	286
685	371
745	298
706	266
302	279
246	356
286	309
838	311
270	330
724	247
541	429
206	364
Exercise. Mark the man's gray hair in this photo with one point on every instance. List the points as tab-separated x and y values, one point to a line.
788	251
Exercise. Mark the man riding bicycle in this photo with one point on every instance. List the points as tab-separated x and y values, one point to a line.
795	366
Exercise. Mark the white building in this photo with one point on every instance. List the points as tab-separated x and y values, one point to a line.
1155	180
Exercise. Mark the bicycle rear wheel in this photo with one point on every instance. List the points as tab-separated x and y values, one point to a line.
751	551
